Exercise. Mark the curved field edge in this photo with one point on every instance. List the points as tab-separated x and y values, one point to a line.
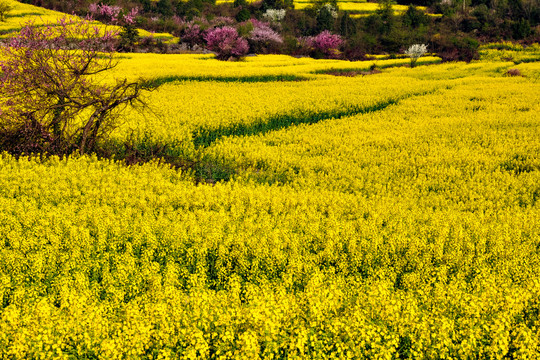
408	232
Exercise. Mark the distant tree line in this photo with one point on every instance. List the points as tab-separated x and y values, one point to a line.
455	35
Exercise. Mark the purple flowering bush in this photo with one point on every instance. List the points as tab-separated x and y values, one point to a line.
108	13
325	44
192	34
112	14
226	43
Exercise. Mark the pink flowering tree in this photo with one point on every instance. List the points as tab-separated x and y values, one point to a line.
51	96
226	43
129	35
112	14
192	34
103	12
129	17
263	38
324	45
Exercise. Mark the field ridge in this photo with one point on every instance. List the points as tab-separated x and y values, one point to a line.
203	137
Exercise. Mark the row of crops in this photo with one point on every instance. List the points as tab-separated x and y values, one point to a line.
384	216
200	98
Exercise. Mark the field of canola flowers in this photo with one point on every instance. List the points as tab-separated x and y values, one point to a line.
356	8
359	8
21	13
386	216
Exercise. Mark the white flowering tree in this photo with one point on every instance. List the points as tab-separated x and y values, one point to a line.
275	15
331	9
415	52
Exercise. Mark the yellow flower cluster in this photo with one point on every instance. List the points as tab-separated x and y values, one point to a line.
384	216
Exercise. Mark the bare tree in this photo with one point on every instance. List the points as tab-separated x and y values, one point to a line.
53	83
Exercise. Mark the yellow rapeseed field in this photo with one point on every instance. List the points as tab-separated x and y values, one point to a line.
386	216
355	7
358	8
21	14
200	94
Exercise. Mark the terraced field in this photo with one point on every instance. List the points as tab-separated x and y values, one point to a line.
392	215
356	8
21	14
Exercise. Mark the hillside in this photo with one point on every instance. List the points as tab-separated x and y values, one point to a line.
271	207
453	29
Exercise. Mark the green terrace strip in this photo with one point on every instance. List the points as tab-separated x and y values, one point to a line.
154	83
205	137
367	66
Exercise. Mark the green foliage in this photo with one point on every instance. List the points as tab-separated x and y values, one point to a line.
454	48
245	29
383	21
243	15
521	29
299	23
347	26
147	5
325	18
129	35
165	7
414	17
385	10
240	3
277	4
481	13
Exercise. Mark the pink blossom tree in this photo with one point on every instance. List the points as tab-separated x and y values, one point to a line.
112	14
325	44
226	43
108	13
50	85
263	38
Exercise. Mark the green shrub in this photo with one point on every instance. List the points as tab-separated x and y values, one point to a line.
243	15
